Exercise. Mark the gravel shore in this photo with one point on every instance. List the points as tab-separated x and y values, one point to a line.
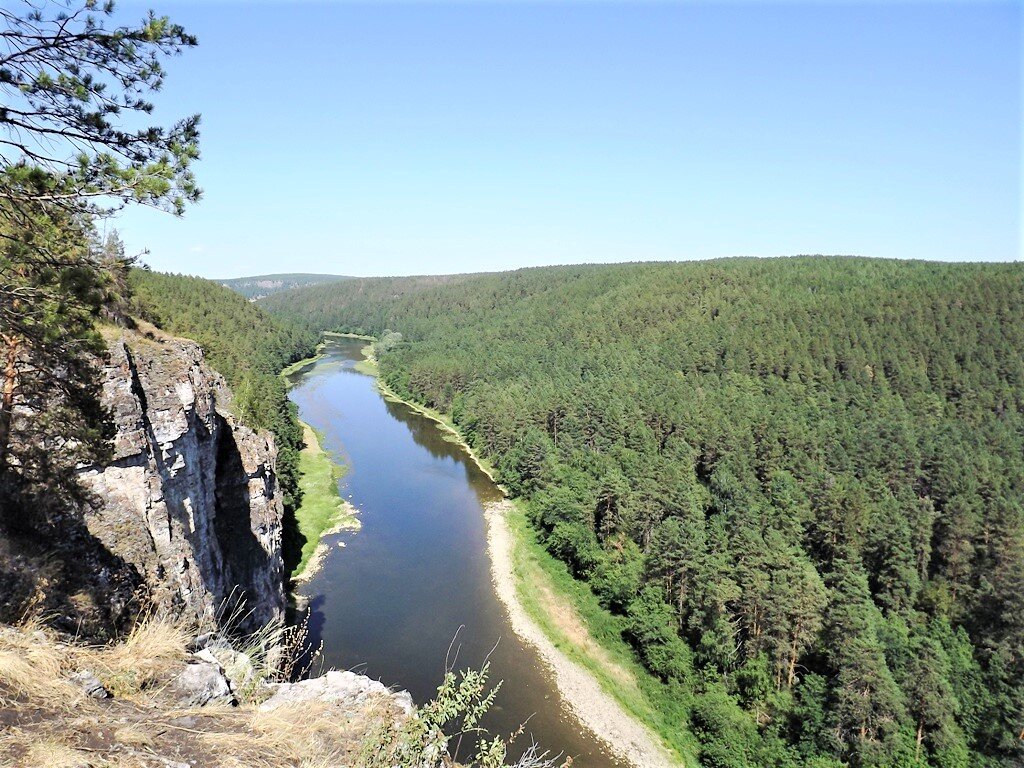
592	706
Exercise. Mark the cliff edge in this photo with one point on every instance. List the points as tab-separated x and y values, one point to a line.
190	497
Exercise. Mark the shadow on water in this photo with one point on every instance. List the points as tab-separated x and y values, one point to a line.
417	575
425	432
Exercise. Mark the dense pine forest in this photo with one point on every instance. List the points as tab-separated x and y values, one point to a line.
242	343
364	307
259	286
799	483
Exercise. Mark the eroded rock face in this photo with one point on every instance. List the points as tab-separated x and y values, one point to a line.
190	497
343	688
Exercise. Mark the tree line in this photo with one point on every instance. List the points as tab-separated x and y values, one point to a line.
798	483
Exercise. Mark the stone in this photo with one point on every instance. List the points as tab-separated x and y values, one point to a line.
208	640
237	667
190	498
90	685
201	683
347	689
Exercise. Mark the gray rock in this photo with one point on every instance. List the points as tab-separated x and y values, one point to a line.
346	689
208	640
190	497
90	685
236	666
201	683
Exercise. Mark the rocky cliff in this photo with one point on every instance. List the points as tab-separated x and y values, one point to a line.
190	497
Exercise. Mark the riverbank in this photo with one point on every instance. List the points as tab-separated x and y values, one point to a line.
585	672
298	365
452	433
601	685
318	354
322	511
337	335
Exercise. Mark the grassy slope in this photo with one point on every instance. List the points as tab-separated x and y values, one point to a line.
322	508
47	721
298	365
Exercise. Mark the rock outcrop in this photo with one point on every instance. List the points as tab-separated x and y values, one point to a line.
151	704
347	689
190	497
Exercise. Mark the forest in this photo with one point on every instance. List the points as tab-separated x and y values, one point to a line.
249	349
259	286
798	482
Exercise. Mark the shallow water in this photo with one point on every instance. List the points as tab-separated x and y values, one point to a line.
412	587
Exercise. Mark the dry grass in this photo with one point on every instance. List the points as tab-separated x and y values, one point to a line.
47	722
154	647
25	748
303	734
32	666
566	620
55	754
135	735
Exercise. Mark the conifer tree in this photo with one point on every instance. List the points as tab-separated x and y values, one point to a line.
72	84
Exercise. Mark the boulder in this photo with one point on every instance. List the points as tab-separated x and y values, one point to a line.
203	682
346	689
208	640
236	666
90	685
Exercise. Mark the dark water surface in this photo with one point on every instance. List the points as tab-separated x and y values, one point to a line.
391	601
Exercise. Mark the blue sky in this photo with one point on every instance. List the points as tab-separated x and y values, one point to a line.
408	138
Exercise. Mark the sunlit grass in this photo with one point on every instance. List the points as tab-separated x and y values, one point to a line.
59	726
322	508
368	364
298	365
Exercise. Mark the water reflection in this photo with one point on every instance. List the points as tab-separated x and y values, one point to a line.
423	431
417	574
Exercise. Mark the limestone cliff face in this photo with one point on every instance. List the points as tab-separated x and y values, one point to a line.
190	497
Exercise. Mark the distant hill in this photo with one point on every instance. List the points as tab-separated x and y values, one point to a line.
359	305
258	286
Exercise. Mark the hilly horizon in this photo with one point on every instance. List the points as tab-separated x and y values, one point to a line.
610	466
259	286
302	279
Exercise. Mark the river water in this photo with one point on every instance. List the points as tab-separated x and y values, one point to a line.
413	585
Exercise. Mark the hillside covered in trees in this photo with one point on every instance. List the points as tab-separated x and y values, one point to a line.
259	286
362	308
246	346
799	483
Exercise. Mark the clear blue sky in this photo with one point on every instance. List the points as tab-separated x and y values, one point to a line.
400	138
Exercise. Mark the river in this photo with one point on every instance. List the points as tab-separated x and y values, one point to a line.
413	585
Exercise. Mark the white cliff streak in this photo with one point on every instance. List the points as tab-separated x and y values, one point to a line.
190	496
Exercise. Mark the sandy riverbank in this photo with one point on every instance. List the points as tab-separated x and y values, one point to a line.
316	560
591	705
